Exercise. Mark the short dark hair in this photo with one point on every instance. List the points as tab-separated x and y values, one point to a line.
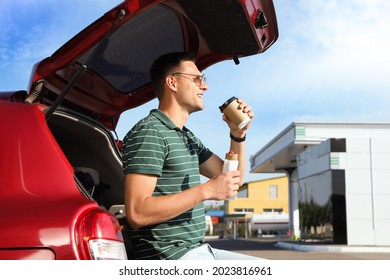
163	65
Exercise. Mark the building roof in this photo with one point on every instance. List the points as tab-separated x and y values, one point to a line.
280	153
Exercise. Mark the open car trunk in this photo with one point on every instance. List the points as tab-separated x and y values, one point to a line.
104	70
93	153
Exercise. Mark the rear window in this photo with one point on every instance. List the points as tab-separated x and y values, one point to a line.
126	57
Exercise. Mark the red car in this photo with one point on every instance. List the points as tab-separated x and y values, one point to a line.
61	192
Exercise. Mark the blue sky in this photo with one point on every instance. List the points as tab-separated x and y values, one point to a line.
330	64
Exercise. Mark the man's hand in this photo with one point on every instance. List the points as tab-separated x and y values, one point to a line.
233	128
223	186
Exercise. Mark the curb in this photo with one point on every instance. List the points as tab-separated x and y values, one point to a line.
332	248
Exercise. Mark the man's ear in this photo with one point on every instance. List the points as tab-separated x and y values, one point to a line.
170	81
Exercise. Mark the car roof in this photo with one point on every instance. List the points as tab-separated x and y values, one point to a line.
104	70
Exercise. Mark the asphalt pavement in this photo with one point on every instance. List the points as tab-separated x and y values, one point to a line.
286	249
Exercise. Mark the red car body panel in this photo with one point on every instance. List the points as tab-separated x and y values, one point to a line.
44	196
36	166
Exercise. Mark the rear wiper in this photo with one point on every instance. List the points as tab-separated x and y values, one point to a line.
101	47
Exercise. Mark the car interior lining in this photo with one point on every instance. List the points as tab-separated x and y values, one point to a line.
92	151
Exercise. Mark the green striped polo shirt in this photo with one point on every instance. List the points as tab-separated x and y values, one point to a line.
156	146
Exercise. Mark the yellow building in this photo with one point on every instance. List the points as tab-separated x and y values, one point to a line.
268	196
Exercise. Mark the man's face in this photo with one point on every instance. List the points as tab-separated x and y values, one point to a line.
191	86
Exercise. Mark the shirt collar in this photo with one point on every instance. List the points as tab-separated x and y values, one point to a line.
163	118
166	120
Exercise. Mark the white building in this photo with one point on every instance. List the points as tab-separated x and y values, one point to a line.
339	177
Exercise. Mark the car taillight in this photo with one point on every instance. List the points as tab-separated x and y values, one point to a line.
99	236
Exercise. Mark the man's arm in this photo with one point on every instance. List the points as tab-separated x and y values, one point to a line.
143	209
239	147
211	167
214	165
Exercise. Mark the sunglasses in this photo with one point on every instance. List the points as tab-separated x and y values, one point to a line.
198	80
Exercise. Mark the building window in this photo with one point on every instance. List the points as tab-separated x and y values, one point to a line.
244	210
273	210
273	191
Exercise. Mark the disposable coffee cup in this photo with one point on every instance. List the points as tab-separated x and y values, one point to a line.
236	115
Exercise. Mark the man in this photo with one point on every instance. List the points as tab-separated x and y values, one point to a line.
162	163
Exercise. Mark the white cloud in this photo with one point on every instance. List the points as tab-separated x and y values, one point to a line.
342	43
331	59
32	30
330	63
